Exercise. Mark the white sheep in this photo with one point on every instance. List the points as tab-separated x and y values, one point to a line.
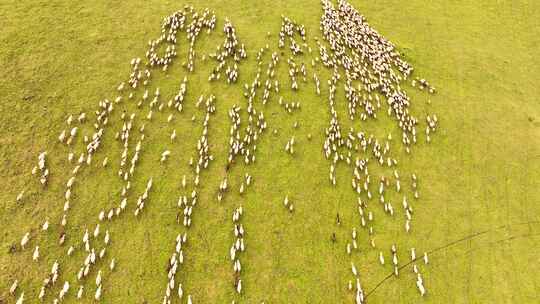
41	293
421	288
98	278
20	196
80	292
35	256
180	291
239	286
21	299
97	296
13	287
25	239
165	155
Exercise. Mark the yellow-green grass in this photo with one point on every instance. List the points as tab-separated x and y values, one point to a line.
479	175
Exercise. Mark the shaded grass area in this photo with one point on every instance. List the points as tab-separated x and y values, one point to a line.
479	174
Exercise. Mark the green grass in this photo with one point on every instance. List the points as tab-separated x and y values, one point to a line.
479	174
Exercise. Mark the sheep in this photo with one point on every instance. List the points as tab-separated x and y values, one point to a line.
107	238
45	226
20	196
82	117
97	295
242	188
35	256
13	287
25	239
111	213
353	269
55	267
62	136
426	260
102	253
112	265
165	155
80	292
239	286
421	288
98	278
73	131
21	299
233	253
41	293
96	231
64	290
381	258
180	291
85	236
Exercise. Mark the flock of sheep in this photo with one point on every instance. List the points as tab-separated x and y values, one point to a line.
360	60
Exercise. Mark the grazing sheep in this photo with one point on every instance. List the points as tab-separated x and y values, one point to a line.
13	287
165	155
21	299
421	288
41	293
180	291
20	196
353	269
98	278
96	231
25	239
239	286
97	295
35	255
45	226
80	292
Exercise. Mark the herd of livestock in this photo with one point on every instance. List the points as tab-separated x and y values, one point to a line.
359	60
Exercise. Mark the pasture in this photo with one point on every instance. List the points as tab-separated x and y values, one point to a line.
478	211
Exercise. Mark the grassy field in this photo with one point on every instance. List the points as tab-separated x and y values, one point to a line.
479	211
